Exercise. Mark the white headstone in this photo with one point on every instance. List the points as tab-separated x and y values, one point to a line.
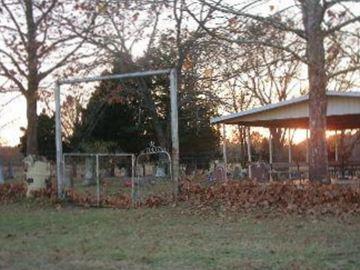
160	172
37	174
89	171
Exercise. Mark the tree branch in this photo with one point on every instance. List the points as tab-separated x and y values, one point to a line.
46	13
341	25
343	71
247	41
62	62
12	17
15	63
11	77
275	23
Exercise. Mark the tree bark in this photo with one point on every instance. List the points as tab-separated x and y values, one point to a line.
33	81
278	146
312	18
31	131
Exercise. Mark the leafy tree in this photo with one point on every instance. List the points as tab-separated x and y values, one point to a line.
114	116
120	112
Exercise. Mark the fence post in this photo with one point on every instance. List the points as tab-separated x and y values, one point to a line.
59	167
133	180
224	150
97	180
174	128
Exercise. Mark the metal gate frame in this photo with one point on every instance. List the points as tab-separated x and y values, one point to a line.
149	151
174	118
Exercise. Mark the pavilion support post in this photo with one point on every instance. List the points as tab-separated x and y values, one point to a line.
307	146
224	150
336	147
290	154
270	148
248	142
270	155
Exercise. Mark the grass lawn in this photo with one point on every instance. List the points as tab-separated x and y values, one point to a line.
35	237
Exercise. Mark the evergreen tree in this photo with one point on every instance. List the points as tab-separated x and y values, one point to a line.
45	136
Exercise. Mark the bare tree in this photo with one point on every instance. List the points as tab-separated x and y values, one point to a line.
133	30
35	42
317	21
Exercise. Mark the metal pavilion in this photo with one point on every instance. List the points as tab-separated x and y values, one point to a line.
343	113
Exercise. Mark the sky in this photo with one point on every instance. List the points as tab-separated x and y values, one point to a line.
13	114
12	117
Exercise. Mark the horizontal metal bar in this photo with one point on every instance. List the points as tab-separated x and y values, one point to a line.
78	154
100	154
116	76
116	155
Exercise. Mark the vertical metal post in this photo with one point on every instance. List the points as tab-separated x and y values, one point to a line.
248	139
97	179
290	156
224	150
336	147
270	155
174	127
270	148
289	138
307	146
59	162
133	180
65	176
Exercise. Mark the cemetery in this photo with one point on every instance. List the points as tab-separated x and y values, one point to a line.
183	134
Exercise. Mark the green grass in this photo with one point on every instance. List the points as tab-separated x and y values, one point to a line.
35	237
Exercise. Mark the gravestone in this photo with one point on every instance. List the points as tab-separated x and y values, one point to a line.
160	171
89	178
67	178
238	173
10	171
123	172
260	171
38	174
219	173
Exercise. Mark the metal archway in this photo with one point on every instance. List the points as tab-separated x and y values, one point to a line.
138	181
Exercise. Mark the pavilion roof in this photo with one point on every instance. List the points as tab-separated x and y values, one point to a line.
343	112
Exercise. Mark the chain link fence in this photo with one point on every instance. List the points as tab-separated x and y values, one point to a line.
99	177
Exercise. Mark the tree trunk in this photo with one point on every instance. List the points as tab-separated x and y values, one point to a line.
151	107
318	159
278	146
242	144
31	131
33	81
